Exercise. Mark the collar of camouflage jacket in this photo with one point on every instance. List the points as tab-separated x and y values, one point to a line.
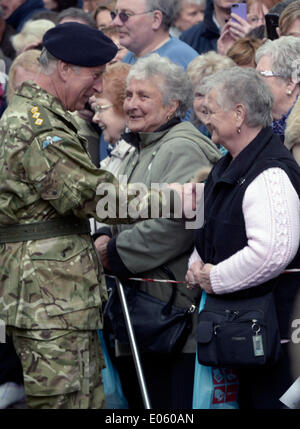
43	98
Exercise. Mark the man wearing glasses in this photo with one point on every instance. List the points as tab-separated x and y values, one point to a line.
144	28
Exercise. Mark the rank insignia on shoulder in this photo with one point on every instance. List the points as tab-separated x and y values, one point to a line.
50	140
36	115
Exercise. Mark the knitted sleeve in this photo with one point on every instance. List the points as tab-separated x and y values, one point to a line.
271	210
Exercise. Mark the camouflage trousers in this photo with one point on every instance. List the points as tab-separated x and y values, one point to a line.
62	369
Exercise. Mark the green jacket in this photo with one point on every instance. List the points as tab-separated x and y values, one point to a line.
173	155
46	172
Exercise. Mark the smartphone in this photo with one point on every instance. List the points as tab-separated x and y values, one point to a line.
272	20
239	9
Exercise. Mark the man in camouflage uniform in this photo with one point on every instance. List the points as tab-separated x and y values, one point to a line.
51	288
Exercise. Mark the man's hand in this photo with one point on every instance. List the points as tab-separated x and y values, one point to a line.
101	246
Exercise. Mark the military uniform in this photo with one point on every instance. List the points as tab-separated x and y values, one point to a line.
51	288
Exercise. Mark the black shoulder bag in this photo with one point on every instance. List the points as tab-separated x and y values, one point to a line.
238	333
159	326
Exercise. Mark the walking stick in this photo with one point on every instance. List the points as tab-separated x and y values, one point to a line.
133	346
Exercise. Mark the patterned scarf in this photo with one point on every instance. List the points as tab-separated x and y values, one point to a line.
280	125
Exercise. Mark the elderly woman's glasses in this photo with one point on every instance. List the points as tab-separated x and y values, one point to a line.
99	109
268	73
124	16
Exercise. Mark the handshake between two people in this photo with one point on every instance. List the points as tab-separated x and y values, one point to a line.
191	203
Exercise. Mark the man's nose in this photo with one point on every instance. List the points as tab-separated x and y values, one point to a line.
117	21
98	85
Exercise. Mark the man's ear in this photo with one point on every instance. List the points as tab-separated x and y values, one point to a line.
64	70
278	31
157	18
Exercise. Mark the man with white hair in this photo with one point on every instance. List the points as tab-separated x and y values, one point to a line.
144	28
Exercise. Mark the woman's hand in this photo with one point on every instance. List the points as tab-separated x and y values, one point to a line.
231	32
193	272
226	40
199	273
239	28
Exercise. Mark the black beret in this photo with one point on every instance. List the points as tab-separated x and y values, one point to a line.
79	44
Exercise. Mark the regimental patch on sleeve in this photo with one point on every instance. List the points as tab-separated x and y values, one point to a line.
49	140
38	118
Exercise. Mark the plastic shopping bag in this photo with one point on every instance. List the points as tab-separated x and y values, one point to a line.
114	397
214	388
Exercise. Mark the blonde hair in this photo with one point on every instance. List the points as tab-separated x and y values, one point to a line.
207	64
31	33
288	17
242	52
28	60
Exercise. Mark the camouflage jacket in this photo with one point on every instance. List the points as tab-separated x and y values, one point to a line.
46	172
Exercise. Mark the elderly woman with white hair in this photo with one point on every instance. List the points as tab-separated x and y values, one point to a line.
31	35
251	229
278	63
198	69
158	94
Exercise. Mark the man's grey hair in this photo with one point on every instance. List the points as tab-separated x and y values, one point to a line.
168	8
172	79
48	63
242	86
183	3
76	14
284	54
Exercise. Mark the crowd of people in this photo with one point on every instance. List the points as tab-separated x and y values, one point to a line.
184	93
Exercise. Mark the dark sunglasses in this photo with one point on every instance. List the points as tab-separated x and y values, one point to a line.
124	16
